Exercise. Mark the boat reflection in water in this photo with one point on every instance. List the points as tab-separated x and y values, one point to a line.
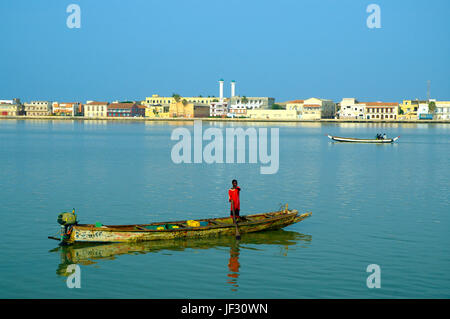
90	254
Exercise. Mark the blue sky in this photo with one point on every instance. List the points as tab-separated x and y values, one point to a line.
283	49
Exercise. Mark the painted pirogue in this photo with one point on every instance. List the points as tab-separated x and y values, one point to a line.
89	233
362	140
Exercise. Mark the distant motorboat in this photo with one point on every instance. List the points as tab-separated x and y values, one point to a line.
362	140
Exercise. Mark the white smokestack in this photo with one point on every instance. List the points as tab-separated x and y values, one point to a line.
221	90
233	88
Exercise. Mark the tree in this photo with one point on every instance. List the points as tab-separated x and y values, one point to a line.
277	107
184	102
432	107
177	97
244	100
401	111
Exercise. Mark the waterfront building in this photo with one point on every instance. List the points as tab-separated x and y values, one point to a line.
442	110
125	109
156	100
188	110
350	108
96	109
296	105
160	111
408	109
272	114
218	109
38	108
316	109
11	107
66	108
381	111
239	105
423	111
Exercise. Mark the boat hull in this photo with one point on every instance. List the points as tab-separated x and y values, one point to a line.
223	226
361	140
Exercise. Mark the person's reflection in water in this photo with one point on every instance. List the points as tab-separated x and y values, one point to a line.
233	267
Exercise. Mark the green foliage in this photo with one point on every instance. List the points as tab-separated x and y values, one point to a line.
277	107
432	107
176	96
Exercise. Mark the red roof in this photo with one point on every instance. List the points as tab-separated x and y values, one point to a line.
385	104
296	101
121	105
96	103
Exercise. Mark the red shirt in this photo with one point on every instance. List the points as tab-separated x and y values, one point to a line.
233	194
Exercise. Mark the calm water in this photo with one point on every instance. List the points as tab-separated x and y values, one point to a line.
371	204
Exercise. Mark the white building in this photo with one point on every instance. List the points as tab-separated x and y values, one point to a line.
442	110
423	109
351	109
218	109
96	109
38	108
239	105
65	109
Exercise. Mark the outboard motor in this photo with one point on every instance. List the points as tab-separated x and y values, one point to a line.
67	220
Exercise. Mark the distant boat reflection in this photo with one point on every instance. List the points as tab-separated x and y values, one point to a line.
89	254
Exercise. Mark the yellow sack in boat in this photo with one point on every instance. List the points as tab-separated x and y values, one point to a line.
193	223
160	228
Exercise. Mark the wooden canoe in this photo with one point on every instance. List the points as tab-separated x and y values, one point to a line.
362	140
87	233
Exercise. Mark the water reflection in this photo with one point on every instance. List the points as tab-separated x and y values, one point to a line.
233	266
90	254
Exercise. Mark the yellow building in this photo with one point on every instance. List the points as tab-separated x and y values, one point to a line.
11	107
409	109
272	114
156	100
188	110
157	111
295	105
316	109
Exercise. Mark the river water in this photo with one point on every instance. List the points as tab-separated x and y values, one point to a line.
371	204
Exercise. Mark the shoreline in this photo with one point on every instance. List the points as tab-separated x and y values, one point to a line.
145	119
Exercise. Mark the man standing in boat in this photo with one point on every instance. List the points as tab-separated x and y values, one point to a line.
233	195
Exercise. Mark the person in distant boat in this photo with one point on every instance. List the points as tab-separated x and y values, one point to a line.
233	195
378	136
384	136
